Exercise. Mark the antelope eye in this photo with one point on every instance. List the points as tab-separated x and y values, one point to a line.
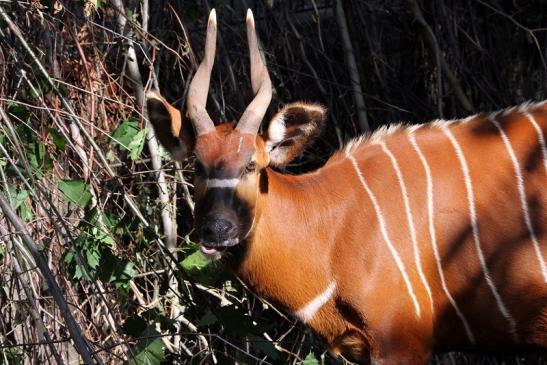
251	167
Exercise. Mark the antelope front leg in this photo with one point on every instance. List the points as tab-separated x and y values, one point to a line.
411	352
406	357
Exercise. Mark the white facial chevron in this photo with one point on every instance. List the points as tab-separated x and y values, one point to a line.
222	183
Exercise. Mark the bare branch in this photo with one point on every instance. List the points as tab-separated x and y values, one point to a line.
351	63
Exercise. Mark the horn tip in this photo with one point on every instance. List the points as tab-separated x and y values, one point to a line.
250	18
153	94
213	17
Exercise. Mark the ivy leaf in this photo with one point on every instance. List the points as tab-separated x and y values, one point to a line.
203	270
19	200
58	139
136	145
75	192
18	110
130	138
125	133
134	325
26	211
78	273
310	360
17	197
266	347
195	263
92	258
150	349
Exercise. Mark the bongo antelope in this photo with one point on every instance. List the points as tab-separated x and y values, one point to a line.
409	241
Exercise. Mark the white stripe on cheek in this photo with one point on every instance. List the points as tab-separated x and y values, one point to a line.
221	183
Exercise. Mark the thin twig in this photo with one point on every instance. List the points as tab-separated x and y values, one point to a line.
42	330
442	65
80	341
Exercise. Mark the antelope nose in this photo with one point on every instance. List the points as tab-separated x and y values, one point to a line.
218	230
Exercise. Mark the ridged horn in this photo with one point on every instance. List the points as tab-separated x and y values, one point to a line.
199	87
261	83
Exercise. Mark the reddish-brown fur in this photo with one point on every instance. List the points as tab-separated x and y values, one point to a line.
327	213
319	227
342	249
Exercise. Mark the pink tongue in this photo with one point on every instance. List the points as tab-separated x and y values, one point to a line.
207	250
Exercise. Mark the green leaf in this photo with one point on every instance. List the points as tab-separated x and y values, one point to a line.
26	211
19	200
76	192
136	145
11	355
18	197
78	272
195	262
18	110
130	138
150	349
69	256
58	139
265	346
164	154
235	320
203	270
134	325
92	258
310	360
115	270
125	133
63	90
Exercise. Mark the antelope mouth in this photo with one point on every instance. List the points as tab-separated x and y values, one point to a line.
214	250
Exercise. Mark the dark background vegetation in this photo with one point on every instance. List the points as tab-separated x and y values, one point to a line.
100	201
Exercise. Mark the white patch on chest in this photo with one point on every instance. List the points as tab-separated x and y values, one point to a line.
307	312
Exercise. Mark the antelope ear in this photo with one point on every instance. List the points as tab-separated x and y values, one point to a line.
173	132
292	129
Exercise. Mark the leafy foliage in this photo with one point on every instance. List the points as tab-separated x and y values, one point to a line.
130	138
76	192
149	350
310	360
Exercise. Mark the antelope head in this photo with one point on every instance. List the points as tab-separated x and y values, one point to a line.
231	159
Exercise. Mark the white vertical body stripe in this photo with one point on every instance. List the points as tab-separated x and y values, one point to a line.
432	233
396	257
475	228
410	221
540	137
307	312
522	195
222	183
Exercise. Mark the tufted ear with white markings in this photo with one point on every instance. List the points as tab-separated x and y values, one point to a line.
293	129
174	133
